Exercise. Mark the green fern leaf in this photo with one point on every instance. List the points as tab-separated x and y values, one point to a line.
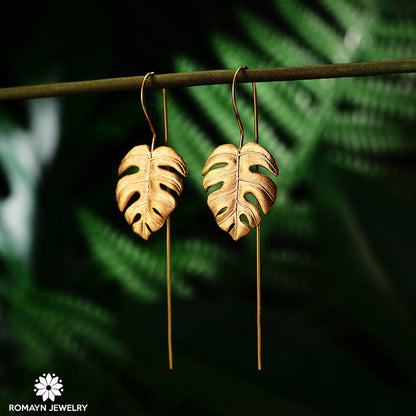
47	323
348	15
139	269
313	30
308	113
383	96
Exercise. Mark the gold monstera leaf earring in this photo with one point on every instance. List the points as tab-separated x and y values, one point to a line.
155	181
236	171
150	181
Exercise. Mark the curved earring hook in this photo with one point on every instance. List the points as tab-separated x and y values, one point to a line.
240	124
144	108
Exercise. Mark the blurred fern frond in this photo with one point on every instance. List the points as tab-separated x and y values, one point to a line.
141	270
361	120
46	323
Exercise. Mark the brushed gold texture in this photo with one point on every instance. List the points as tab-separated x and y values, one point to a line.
233	212
156	182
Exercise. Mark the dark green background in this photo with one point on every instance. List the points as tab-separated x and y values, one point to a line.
339	292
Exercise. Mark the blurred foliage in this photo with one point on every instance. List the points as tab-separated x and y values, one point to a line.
85	298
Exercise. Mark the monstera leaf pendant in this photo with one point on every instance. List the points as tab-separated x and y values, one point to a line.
236	171
155	185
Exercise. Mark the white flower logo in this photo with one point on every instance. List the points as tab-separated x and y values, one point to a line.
48	387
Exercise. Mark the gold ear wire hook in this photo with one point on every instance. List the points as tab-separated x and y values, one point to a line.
240	124
144	109
256	139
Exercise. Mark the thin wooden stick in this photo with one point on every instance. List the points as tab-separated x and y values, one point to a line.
221	76
168	256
